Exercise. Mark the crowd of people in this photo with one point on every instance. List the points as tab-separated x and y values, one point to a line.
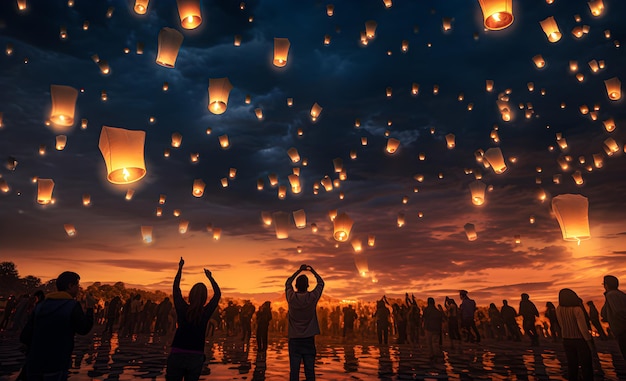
300	317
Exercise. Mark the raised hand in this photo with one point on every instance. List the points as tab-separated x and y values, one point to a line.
303	267
181	263
207	273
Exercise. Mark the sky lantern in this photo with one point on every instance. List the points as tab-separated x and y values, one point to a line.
169	44
342	224
610	146
371	240
282	192
598	160
260	184
63	32
217	234
387	3
281	51
405	46
551	29
141	7
392	145
22	5
357	245
400	220
477	189
273	179
219	90
123	152
497	14
189	12
224	142
294	181
259	113
470	232
281	224
177	140
446	23
183	225
198	188
232	173
571	211
496	160
316	110
613	88
505	110
327	39
415	89
327	183
338	164
61	141
596	7
146	234
299	218
489	85
518	239
237	40
70	230
289	102
129	194
224	182
330	10
4	186
44	191
266	217
450	141
158	212
609	125
370	29
293	154
63	106
593	65
578	178
162	199
539	61
86	199
332	214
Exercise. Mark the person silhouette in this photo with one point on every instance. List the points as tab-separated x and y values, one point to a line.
614	311
576	338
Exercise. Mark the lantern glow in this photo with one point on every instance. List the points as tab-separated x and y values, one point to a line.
497	14
123	153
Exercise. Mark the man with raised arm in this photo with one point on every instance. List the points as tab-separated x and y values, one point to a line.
303	324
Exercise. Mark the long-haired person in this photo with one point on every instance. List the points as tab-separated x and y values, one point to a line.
187	353
576	338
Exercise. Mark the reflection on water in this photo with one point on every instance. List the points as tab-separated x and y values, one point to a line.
113	358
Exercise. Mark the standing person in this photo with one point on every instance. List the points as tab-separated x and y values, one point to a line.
468	309
555	328
382	321
614	311
496	321
187	352
576	337
263	317
453	321
529	312
245	318
349	317
594	318
508	315
49	332
303	324
432	318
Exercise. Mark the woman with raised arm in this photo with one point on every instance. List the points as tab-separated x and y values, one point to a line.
187	352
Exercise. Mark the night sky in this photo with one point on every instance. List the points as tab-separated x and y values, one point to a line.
430	255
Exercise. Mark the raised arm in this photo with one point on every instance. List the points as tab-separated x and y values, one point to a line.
289	282
179	274
217	293
318	277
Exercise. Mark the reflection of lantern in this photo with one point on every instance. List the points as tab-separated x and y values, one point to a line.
44	191
123	152
495	159
613	88
169	44
63	105
392	145
316	109
266	217
497	14
219	89
571	211
596	7
450	141
61	141
370	29
146	234
551	29
342	225
299	218
86	199
470	232
477	188
539	61
70	230
183	225
281	51
189	12
281	224
293	154
224	142
198	188
141	6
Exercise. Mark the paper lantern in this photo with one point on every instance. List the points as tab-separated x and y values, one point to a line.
392	145
162	199
598	160
338	164
415	88
86	199
282	192
470	232
85	25
266	217
446	24
370	29
400	220
342	224
141	7
330	10
477	189
281	224
281	51
61	141
63	32
450	141
578	178
316	110
219	90
123	152
198	188
610	146
44	191
260	184
405	46
22	5
571	211
332	214
183	225
551	29
609	125
259	113
389	91
371	240
518	239
190	14
289	102
496	160
357	245
104	67
293	154
224	142
4	186
489	85
497	14
299	218
294	181
539	61
224	182
314	228
63	106
109	13
129	194
103	96
531	219
169	44
146	234
388	3
435	89
613	88
159	212
596	7
70	230
273	179
237	41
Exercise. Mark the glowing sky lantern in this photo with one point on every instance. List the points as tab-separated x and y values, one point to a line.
4	186
470	232
571	211
219	90
357	245
405	46
392	145
273	179
360	261
146	234
400	220
129	194
370	29
371	240
177	140
44	191
551	29
497	14
281	51
316	110
217	234
294	181
387	3
169	44
505	110
596	7
266	218
496	160
123	152
183	225
415	89
539	62
293	154
613	88
609	125
578	178
22	5
61	141
86	199
610	146
342	224
224	142
281	224
198	188
330	10
63	106
141	7
489	85
70	230
450	141
477	189
446	23
190	14
299	218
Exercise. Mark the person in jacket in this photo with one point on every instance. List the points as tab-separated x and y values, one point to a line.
467	310
303	324
614	311
50	329
577	340
529	312
433	319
